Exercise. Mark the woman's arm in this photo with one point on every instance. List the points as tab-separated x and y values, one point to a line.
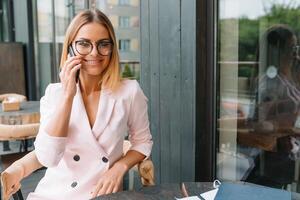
59	122
141	144
12	176
58	125
55	116
129	160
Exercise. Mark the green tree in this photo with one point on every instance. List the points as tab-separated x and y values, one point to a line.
250	31
127	73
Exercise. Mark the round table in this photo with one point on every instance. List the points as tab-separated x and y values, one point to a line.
29	113
163	191
168	191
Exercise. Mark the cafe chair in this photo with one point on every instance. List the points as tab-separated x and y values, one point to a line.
145	169
16	132
21	132
12	176
19	97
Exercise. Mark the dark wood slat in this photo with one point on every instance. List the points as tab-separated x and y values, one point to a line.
12	68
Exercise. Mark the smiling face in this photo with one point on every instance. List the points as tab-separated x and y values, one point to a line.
93	63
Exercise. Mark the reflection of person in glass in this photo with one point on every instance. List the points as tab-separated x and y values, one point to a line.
278	95
279	100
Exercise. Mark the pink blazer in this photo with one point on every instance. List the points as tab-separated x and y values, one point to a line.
76	162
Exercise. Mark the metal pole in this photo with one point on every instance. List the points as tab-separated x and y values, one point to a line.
54	70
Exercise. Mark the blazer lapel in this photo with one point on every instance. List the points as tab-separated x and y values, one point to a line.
105	109
80	120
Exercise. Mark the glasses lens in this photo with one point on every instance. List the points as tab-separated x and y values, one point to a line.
105	48
83	47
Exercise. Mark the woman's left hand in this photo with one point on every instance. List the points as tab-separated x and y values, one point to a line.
111	181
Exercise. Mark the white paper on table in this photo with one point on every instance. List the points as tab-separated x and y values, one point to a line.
189	198
210	195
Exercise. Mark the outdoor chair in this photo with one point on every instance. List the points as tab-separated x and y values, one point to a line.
29	163
21	132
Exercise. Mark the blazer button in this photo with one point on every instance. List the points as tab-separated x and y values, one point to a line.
74	184
104	159
76	157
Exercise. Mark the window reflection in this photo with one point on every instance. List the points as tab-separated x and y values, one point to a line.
259	92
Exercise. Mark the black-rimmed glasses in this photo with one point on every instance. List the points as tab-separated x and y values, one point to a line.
85	47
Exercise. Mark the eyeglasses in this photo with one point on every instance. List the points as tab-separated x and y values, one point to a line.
85	47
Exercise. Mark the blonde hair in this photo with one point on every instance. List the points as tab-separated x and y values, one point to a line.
111	75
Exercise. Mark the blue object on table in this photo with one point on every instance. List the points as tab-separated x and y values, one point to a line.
233	191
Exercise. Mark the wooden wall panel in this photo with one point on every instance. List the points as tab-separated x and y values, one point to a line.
168	80
12	75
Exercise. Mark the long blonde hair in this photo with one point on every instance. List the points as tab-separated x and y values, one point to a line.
111	75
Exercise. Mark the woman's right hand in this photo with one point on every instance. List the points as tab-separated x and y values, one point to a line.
68	75
11	180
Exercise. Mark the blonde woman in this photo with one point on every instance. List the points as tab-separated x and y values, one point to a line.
83	123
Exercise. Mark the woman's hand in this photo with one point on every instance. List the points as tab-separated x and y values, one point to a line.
68	75
110	181
11	180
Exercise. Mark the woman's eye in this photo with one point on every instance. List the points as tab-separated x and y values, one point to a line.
84	44
104	44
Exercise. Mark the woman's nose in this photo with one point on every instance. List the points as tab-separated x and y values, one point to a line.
94	51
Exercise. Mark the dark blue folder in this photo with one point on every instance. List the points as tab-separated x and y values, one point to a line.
242	191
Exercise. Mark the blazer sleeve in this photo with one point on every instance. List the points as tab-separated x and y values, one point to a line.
138	123
49	149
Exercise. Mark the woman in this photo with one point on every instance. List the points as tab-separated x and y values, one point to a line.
278	93
278	98
83	125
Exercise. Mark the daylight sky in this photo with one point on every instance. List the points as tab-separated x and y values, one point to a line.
249	8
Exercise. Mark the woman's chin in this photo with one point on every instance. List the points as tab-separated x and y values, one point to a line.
91	72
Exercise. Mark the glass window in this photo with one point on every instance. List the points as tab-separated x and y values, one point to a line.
124	45
53	18
6	26
124	2
124	21
259	92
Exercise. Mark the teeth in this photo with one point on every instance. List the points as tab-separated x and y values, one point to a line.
92	62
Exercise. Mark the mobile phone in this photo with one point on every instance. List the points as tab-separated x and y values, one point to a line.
72	53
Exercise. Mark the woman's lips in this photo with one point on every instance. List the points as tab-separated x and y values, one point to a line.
92	62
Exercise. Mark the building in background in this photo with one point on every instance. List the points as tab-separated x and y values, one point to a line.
125	17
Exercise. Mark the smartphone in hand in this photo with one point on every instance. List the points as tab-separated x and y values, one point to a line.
72	53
